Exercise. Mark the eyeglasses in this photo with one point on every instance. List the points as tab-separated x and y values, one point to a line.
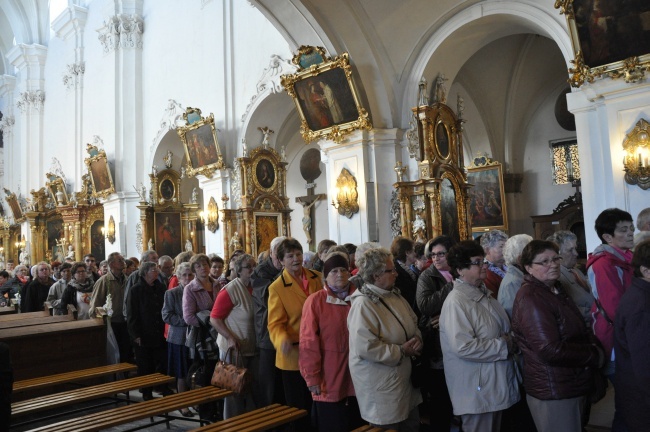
438	254
390	270
479	263
547	262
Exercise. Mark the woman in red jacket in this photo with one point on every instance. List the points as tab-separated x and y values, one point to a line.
323	356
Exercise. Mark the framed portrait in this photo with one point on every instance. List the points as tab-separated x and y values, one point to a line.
267	227
325	95
487	197
265	174
14	205
56	186
168	233
200	141
609	39
167	190
100	173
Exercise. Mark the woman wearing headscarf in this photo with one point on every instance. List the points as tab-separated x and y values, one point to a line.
77	292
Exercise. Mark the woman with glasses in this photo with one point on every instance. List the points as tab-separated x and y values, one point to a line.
78	291
434	284
476	344
383	338
233	316
560	352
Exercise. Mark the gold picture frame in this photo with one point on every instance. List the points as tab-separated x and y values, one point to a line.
54	185
199	139
100	173
267	227
325	95
608	40
14	205
487	199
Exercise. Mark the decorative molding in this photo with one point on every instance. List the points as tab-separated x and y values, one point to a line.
56	168
270	79
98	142
235	185
7	124
34	99
121	31
72	77
171	119
395	225
138	237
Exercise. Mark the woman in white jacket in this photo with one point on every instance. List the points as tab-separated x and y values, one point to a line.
476	345
383	337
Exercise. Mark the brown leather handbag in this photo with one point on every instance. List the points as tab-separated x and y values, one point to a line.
232	376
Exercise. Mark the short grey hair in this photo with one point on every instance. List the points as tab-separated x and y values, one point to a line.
643	218
514	246
641	236
273	247
490	239
163	259
114	256
147	254
338	248
181	268
363	247
561	237
241	260
20	267
145	267
372	263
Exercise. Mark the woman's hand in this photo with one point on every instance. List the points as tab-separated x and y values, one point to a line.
315	389
233	343
412	347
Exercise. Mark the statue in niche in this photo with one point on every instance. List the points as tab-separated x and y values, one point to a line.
70	254
419	230
188	245
195	196
441	89
306	219
244	151
23	257
235	242
183	172
150	244
168	159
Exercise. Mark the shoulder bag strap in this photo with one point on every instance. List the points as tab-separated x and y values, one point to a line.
393	313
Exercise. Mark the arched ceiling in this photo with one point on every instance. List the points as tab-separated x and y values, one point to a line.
26	21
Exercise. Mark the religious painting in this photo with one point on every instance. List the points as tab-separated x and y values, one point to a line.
14	205
168	234
608	38
56	188
325	96
265	173
267	227
449	209
442	140
167	189
487	196
55	232
201	146
97	243
100	173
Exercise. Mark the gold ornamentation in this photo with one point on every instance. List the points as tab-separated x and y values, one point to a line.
566	7
633	70
109	231
637	152
347	197
212	216
202	149
581	72
100	172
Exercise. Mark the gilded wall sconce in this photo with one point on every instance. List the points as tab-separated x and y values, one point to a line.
109	231
347	197
211	217
637	153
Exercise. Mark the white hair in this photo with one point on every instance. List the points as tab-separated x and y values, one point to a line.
514	246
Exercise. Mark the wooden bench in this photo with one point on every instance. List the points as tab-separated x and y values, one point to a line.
80	375
83	394
130	413
257	420
22	316
35	321
371	428
8	310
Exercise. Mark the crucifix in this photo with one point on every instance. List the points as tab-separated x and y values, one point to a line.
307	203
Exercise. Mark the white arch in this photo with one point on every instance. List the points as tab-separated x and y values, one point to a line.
540	18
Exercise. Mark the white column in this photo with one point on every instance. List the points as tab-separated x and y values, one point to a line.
122	206
370	156
605	112
7	87
215	187
29	60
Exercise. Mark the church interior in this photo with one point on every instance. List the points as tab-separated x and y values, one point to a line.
217	125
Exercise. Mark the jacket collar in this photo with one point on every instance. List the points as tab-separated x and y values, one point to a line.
195	285
474	293
375	293
287	278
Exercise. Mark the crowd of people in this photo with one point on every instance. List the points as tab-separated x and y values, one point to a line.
495	334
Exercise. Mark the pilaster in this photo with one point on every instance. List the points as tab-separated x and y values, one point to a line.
123	208
217	187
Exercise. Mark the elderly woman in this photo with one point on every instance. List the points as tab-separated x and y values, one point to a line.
287	295
383	338
403	251
172	314
145	324
631	329
493	243
77	292
14	285
35	293
433	287
233	317
560	352
476	345
323	356
56	291
514	275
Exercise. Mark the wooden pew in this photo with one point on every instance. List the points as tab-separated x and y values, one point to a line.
83	394
130	413
22	316
370	428
47	349
257	420
8	310
25	322
74	376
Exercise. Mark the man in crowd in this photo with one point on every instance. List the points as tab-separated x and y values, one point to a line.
91	265
166	265
35	293
147	256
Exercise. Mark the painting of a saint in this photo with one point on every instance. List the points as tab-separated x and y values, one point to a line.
54	232
100	174
486	199
449	210
168	233
201	146
326	100
266	229
167	189
265	174
97	242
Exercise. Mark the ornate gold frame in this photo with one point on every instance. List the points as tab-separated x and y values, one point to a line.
313	62
195	121
15	207
631	69
54	184
481	164
98	158
347	197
